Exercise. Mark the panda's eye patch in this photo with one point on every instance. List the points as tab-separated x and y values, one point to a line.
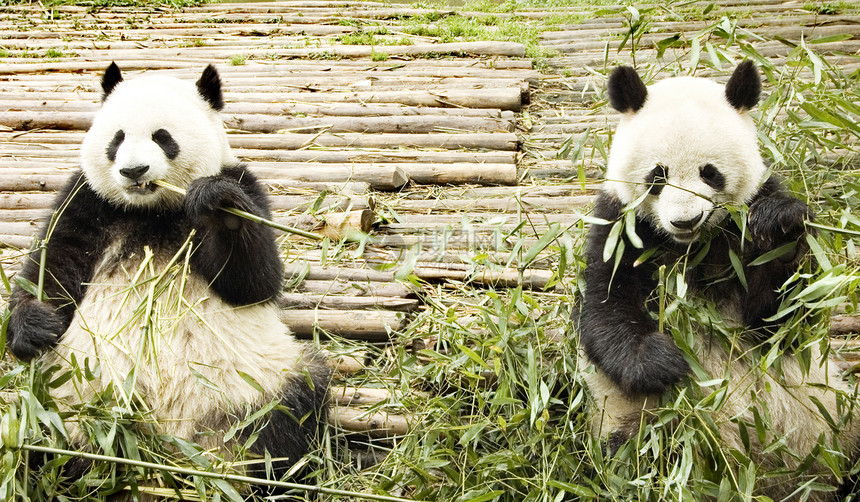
657	179
113	146
169	145
712	177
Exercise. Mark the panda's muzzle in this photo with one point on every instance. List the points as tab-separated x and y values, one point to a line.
134	174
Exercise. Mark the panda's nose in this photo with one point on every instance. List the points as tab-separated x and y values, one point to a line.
134	172
687	224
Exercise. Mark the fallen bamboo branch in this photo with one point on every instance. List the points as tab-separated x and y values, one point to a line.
208	474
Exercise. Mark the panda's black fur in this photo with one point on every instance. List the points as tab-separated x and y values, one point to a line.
233	262
686	148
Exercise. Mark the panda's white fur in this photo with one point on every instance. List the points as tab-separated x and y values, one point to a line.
162	298
688	147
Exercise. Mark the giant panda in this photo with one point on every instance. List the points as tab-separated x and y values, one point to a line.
161	300
684	152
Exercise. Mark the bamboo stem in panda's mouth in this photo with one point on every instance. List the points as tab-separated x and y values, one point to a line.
245	214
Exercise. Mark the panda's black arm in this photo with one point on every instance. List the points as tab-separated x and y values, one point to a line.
239	257
775	219
616	331
70	258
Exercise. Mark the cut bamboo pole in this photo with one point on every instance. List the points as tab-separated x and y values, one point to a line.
367	325
358	396
336	302
372	289
497	98
374	423
347	364
293	141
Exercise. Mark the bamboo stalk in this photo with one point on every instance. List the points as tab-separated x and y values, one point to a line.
359	396
246	215
368	325
337	302
372	289
374	423
208	474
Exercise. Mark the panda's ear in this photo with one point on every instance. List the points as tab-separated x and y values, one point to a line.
627	92
744	86
209	87
110	79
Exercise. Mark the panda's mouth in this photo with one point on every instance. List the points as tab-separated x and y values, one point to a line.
142	187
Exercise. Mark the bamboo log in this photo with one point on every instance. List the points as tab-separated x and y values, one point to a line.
69	154
374	423
347	364
451	141
359	396
367	325
501	99
384	176
373	289
379	176
278	202
844	324
318	273
336	302
530	204
419	124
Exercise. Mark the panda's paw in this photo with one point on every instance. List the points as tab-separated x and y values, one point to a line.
777	221
34	326
207	196
654	368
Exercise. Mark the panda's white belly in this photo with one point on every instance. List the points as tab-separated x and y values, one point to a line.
156	331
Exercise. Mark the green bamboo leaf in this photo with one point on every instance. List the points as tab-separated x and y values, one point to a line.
473	355
738	267
773	254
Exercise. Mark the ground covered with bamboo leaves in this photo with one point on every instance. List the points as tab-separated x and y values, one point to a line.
489	376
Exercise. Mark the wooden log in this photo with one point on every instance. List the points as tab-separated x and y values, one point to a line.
496	98
31	200
348	363
451	141
373	289
419	124
336	302
844	324
367	325
374	423
318	273
387	176
359	396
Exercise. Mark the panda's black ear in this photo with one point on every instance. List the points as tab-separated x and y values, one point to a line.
744	86
209	87
110	79
627	91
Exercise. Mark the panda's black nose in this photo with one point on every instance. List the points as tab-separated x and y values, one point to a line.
134	172
687	224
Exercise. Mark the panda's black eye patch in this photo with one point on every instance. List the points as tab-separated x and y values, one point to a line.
169	145
113	146
712	177
657	179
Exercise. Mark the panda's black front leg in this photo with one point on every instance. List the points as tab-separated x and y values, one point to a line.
616	330
239	257
775	219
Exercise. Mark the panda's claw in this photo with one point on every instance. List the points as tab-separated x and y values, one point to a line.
208	195
653	367
34	327
776	221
